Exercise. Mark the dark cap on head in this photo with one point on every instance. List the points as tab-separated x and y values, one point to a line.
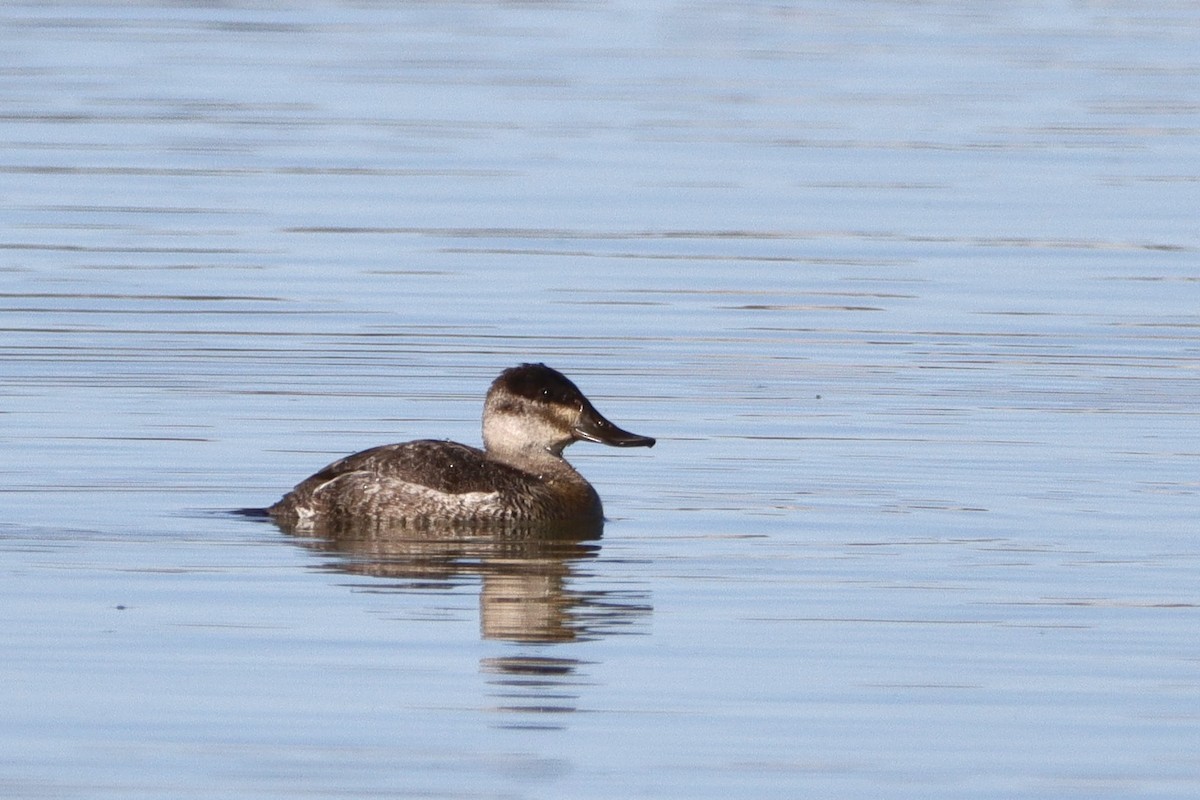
539	382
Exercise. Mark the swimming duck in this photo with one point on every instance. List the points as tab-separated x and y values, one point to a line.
531	414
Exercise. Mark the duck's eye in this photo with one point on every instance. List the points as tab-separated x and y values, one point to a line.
546	393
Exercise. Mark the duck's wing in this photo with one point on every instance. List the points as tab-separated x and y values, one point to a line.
438	466
402	483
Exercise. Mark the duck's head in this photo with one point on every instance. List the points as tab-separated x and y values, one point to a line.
534	409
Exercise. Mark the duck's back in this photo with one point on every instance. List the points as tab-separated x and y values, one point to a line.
429	483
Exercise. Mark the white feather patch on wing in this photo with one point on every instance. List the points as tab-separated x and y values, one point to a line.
472	501
404	498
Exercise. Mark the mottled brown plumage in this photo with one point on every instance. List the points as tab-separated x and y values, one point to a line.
531	414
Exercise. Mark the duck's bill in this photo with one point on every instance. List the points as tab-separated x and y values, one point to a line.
593	427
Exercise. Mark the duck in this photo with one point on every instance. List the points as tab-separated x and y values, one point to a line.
530	415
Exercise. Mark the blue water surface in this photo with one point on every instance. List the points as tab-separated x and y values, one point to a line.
909	294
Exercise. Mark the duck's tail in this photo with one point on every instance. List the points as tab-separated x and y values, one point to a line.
252	513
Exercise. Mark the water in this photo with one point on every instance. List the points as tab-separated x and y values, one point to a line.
908	293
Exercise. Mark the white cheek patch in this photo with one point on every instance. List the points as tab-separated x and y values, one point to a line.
512	433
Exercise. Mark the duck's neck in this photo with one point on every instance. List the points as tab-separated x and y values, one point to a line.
537	460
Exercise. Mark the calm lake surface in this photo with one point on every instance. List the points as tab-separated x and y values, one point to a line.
908	292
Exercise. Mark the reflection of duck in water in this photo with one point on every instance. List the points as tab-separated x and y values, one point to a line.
530	586
520	477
